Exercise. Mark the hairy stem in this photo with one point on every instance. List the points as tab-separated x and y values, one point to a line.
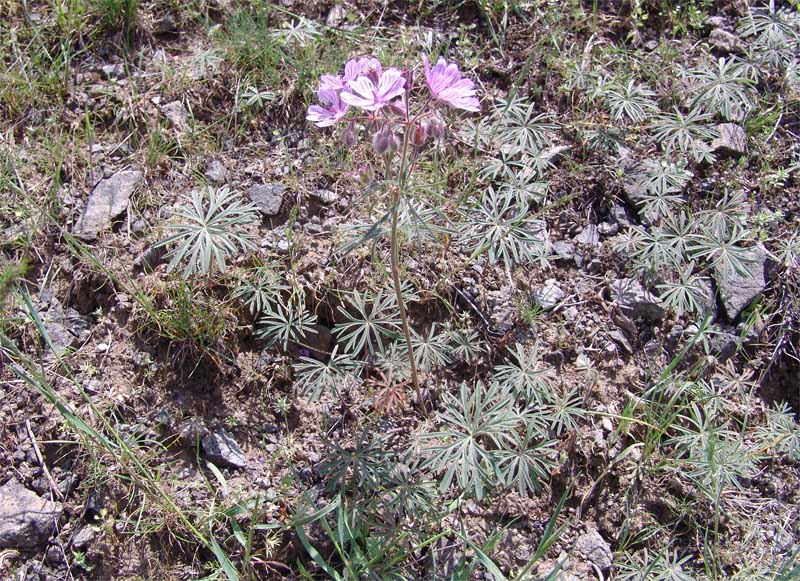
395	248
399	293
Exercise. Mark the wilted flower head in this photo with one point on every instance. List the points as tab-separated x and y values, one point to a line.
445	83
371	95
330	110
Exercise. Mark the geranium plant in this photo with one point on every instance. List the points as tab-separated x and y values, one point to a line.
400	118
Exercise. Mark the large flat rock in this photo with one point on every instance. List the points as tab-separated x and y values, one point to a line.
108	200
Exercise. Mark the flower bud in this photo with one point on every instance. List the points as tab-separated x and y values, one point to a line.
366	175
385	141
420	135
349	135
436	128
381	141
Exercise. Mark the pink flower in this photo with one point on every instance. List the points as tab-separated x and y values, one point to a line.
331	110
446	84
365	93
352	70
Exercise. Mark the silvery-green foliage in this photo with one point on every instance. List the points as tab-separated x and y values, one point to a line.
525	465
431	350
663	183
686	293
371	319
771	24
520	128
365	464
788	251
563	411
781	432
725	89
260	286
502	166
775	55
285	320
473	426
663	176
728	214
393	359
524	188
678	131
725	253
526	375
647	566
465	345
651	250
316	378
206	231
298	32
415	221
713	457
604	139
504	231
633	101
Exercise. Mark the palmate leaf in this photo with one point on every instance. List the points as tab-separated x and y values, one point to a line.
526	465
525	375
779	25
376	318
504	231
287	321
724	253
725	89
632	101
206	233
679	131
473	426
316	378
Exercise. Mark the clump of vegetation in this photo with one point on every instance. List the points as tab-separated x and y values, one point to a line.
531	314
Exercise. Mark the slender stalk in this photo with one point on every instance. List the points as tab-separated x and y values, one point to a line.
395	247
397	192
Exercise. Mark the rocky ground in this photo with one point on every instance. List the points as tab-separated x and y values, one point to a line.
156	424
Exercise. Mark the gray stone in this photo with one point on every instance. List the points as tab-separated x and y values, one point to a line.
549	295
607	228
267	197
634	300
732	140
220	448
336	15
738	290
722	344
26	519
724	41
620	339
715	22
588	236
177	115
552	155
324	196
564	249
113	71
191	431
83	538
66	328
216	172
150	258
108	201
592	547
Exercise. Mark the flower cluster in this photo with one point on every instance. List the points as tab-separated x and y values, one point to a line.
367	86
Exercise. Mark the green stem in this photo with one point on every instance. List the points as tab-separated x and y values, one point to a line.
395	249
399	292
